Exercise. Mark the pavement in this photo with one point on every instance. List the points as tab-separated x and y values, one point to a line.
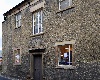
2	78
7	78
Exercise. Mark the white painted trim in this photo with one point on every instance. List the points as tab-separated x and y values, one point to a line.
41	21
69	54
59	4
33	24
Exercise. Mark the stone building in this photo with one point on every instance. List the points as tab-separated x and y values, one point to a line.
52	40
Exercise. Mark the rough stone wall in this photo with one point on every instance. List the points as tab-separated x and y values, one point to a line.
4	47
81	22
17	38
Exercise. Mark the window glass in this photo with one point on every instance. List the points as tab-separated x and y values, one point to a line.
64	3
37	22
65	55
18	20
36	29
17	56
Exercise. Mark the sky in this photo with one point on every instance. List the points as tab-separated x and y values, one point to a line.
6	5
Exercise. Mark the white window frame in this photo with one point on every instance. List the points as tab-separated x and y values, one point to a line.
70	3
41	28
18	20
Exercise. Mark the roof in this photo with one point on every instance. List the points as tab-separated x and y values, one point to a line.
17	6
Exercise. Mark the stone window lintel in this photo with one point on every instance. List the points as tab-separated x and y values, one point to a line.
67	8
65	42
38	6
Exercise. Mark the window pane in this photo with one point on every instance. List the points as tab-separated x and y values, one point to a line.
37	22
65	57
17	23
35	29
40	29
18	51
17	56
39	15
34	17
19	17
18	20
65	3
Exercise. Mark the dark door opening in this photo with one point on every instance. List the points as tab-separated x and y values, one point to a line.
37	67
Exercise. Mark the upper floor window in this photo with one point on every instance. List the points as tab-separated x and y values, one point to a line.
64	4
37	22
18	20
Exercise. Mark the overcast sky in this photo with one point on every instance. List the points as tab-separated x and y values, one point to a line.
5	5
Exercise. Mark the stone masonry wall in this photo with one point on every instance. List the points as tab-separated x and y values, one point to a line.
17	38
81	23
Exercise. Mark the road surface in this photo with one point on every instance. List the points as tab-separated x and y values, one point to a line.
2	78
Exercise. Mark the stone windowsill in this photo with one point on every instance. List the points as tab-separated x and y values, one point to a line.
70	7
17	27
17	64
70	67
37	34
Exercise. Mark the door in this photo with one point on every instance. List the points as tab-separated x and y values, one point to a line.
37	67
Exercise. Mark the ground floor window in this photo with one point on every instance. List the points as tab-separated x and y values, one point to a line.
64	52
17	56
65	56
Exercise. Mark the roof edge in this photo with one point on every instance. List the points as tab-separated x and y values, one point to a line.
5	14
